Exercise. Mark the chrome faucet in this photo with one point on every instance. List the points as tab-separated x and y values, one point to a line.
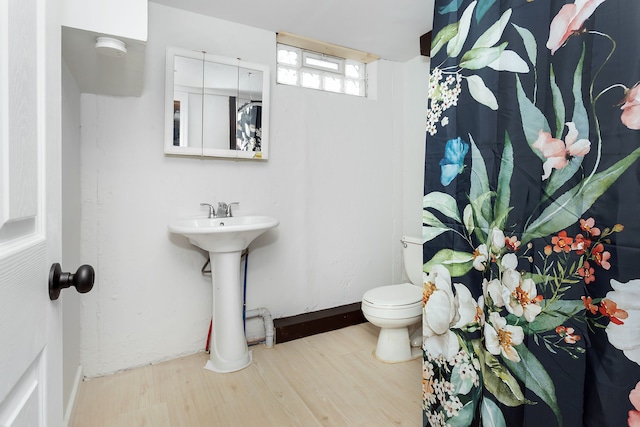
224	210
212	214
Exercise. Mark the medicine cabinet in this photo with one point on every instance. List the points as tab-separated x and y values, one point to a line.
215	106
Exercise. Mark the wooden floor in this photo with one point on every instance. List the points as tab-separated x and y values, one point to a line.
330	379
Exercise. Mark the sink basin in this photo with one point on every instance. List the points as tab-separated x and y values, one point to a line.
225	239
222	234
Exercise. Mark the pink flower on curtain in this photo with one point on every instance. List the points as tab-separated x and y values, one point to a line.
610	309
601	257
589	226
631	108
634	414
568	21
589	305
586	272
562	242
557	152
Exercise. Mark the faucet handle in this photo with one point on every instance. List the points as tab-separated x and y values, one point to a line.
211	211
229	212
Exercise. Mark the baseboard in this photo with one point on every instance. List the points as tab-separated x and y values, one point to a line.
317	322
73	397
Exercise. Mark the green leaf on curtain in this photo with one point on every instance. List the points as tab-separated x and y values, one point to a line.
458	263
480	57
529	41
509	61
558	104
481	93
482	215
443	203
491	414
539	278
552	316
461	384
443	37
464	417
497	379
454	47
568	208
494	33
533	121
429	233
503	197
580	117
535	378
483	7
467	218
479	194
559	177
430	219
451	7
479	177
502	219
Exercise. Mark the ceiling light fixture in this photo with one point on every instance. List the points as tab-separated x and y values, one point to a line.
111	47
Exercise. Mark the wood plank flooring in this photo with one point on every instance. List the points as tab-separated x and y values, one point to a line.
330	379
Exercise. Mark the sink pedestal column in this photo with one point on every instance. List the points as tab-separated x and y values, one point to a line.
228	346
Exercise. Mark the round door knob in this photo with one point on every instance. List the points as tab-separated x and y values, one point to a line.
82	279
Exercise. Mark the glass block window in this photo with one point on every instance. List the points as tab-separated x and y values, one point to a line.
313	70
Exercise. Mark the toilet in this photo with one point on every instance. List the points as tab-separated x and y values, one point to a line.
397	308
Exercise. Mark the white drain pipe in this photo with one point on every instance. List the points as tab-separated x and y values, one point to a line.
268	323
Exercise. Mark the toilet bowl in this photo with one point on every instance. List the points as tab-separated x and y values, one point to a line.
395	308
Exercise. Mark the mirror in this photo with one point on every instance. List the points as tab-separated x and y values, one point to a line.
215	106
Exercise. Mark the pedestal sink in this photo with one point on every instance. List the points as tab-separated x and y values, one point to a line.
225	239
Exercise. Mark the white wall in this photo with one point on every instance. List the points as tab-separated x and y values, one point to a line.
335	179
71	257
123	18
415	85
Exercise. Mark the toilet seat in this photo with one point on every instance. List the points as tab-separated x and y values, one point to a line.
393	302
393	295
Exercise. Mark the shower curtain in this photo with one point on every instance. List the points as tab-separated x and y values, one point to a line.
531	214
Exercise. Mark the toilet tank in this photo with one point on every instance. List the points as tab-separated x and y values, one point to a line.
412	256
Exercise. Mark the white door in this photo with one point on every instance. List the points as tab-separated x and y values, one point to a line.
30	222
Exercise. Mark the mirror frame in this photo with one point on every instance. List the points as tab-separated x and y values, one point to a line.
201	151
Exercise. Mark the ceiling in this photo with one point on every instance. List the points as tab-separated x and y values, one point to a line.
390	29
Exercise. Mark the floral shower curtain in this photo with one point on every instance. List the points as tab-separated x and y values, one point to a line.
531	215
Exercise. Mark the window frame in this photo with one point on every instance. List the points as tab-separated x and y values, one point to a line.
302	65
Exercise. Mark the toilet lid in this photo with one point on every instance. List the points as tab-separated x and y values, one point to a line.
394	295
